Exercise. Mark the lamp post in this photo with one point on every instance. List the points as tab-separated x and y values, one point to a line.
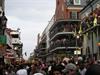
3	21
76	51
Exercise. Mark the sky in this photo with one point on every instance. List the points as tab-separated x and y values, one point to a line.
31	16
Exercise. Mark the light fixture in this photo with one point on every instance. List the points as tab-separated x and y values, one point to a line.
77	36
15	48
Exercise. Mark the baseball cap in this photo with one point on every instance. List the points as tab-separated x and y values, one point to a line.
38	74
69	66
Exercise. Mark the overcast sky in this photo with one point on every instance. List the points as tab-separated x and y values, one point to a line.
31	16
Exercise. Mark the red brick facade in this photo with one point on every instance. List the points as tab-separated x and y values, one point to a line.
62	11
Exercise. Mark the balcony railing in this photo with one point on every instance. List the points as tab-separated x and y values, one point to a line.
89	20
42	53
62	28
74	3
66	43
59	43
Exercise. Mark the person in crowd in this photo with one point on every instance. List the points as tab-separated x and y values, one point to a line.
50	67
11	70
28	68
71	69
36	68
82	69
1	69
57	70
38	74
93	70
22	70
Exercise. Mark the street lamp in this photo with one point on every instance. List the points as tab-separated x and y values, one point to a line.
77	51
15	48
77	36
4	22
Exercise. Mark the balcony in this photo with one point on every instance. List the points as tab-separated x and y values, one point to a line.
63	27
42	46
62	43
61	35
65	42
74	3
88	22
16	41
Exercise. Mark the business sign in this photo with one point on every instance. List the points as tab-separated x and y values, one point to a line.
77	52
77	2
2	39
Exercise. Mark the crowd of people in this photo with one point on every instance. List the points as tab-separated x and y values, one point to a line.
64	67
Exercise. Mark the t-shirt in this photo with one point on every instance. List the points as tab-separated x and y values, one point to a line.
82	72
22	72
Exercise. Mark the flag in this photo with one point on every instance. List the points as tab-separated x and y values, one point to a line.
75	32
25	54
95	21
80	30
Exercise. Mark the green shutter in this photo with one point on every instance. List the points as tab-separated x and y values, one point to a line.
2	39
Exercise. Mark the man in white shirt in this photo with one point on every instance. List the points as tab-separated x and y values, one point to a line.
22	71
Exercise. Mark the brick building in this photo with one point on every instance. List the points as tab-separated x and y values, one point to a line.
62	40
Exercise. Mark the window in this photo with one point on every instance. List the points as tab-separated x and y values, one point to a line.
77	2
69	2
74	15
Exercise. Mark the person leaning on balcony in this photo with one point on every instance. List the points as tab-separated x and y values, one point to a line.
64	41
91	18
95	20
97	11
58	42
84	24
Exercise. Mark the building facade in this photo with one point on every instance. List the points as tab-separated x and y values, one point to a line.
63	42
9	54
16	42
60	36
43	43
90	16
14	46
